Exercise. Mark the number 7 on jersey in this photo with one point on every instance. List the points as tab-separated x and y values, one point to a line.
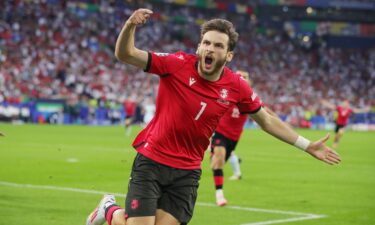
203	107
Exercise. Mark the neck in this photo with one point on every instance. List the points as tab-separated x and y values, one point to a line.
211	77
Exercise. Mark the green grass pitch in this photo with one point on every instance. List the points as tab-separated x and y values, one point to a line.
37	162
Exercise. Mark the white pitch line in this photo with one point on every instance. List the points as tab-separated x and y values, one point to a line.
304	216
287	220
262	210
56	188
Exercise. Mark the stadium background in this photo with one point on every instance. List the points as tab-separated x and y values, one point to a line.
57	66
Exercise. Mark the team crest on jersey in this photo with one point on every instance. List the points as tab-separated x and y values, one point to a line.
224	93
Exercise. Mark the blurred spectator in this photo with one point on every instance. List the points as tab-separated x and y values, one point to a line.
59	50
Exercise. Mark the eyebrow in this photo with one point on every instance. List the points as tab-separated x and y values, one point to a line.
215	43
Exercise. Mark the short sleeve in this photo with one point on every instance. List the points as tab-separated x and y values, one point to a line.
164	63
249	100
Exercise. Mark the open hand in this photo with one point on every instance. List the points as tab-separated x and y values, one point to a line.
322	152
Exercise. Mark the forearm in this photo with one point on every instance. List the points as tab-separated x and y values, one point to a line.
280	130
283	132
125	48
361	110
277	128
327	104
125	42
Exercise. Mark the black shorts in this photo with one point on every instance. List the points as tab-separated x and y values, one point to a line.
155	186
220	140
338	127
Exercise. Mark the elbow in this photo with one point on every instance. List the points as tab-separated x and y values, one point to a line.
124	53
122	56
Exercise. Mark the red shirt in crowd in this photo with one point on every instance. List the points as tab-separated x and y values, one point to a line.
343	115
129	107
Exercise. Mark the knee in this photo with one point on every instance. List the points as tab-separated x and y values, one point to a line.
218	161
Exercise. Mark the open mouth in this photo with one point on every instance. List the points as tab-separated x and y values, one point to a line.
208	60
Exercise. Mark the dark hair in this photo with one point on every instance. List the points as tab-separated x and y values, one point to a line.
222	26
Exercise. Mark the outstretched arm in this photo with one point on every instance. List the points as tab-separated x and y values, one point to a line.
125	49
327	104
274	126
362	110
269	111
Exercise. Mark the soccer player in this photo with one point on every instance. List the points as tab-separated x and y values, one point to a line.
129	107
194	92
223	144
343	112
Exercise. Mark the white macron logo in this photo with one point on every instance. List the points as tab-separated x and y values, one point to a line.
180	57
192	81
253	96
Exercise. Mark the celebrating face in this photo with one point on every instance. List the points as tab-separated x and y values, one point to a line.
213	53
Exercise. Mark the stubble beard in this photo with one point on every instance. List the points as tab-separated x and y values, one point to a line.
217	66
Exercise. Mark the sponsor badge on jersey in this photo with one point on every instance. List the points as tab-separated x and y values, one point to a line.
161	54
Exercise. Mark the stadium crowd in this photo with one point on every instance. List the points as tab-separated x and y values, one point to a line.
60	50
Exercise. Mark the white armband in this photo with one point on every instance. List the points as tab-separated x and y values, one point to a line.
302	143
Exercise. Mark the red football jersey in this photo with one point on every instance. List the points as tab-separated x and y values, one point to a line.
188	109
232	123
343	115
129	107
